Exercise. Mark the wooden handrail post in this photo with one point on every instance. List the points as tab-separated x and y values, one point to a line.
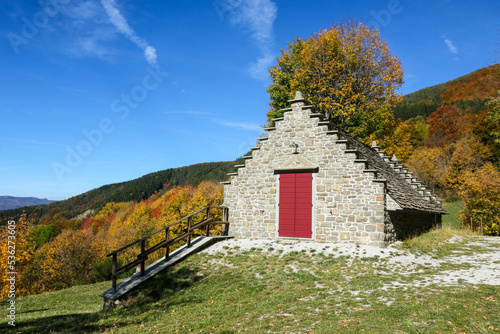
189	232
167	232
225	217
113	272
208	217
143	248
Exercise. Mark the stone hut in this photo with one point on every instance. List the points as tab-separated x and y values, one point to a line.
306	179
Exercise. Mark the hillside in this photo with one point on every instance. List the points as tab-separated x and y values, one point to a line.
11	202
134	190
442	283
468	91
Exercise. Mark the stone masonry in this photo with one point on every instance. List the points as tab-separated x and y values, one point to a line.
349	202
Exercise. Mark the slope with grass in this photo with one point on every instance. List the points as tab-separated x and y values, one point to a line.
444	281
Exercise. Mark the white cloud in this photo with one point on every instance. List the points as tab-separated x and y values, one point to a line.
239	125
259	70
81	30
120	23
150	54
258	16
84	10
452	48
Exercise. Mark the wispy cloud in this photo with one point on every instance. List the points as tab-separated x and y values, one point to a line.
187	112
80	29
33	142
258	16
11	168
239	125
120	23
452	48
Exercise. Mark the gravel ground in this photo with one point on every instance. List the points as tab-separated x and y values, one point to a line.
484	266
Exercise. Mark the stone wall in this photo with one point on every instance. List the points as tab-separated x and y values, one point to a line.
348	205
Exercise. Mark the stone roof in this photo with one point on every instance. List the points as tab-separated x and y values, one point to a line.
405	189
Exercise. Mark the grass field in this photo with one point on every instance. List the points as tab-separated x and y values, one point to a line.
265	290
453	219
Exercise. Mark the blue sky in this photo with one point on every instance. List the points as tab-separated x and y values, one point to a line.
94	92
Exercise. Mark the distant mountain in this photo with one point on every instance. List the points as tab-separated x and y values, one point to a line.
11	202
134	190
470	91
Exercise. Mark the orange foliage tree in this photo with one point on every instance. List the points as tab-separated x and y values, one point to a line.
446	125
480	84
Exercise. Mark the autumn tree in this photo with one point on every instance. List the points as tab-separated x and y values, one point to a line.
469	154
347	72
406	137
68	259
19	249
432	165
494	116
481	195
446	125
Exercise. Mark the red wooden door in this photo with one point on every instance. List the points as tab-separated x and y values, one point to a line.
295	205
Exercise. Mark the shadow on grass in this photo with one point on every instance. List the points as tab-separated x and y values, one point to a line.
32	311
70	323
161	287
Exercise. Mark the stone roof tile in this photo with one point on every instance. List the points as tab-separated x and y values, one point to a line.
400	190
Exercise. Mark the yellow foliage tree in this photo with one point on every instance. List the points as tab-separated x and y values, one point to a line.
145	217
481	194
68	259
16	254
431	165
347	72
469	154
406	138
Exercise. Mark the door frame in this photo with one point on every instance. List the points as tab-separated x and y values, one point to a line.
314	172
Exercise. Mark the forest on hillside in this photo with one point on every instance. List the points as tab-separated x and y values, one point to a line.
449	136
135	190
470	91
57	252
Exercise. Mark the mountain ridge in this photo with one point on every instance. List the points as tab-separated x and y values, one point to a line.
12	202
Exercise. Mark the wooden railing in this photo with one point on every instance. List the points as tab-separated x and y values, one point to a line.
167	242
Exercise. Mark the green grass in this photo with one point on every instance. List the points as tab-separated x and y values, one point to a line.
453	220
259	292
433	242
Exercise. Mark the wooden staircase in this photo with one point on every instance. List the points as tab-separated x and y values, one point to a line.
206	219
